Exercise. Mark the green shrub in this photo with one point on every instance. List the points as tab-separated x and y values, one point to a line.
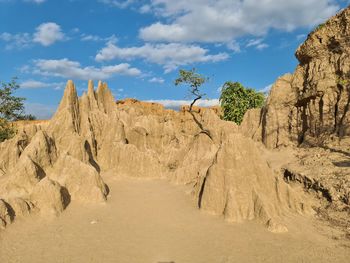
235	100
7	131
342	81
11	109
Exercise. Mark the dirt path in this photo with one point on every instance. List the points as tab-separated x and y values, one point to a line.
154	221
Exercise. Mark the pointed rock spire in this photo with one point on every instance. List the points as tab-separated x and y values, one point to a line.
99	86
92	95
105	98
69	97
91	87
68	110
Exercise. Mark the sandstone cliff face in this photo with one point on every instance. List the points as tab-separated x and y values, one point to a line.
315	100
45	167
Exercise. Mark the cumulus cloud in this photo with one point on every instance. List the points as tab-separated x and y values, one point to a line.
45	34
170	56
176	104
48	33
66	68
226	20
34	84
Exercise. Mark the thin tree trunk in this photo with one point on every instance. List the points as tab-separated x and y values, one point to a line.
193	102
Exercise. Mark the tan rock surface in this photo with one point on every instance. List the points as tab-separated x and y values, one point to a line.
49	197
5	214
92	133
312	103
310	109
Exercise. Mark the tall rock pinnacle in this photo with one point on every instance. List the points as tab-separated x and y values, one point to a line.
68	110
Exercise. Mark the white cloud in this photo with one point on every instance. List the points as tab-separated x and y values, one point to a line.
24	69
234	46
266	89
41	111
18	41
145	9
91	38
72	69
48	33
34	84
262	46
219	89
118	3
254	42
170	56
226	20
96	38
176	104
301	36
156	80
257	43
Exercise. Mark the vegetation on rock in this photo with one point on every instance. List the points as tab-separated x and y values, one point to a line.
11	109
235	100
194	80
7	131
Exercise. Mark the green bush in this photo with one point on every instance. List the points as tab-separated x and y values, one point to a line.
235	100
6	130
342	81
11	109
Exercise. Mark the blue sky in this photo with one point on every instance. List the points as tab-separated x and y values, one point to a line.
137	46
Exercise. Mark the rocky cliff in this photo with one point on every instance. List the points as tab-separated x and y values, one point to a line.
313	103
48	165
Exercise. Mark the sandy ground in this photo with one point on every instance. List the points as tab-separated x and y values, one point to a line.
154	221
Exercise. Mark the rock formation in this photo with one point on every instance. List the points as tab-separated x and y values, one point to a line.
313	102
48	165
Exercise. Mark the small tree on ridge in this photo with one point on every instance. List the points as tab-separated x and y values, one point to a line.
194	80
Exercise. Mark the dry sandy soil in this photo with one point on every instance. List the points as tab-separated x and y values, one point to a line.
154	221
